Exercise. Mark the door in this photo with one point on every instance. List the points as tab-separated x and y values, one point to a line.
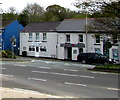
36	51
69	53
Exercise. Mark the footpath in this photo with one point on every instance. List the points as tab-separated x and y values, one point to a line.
20	93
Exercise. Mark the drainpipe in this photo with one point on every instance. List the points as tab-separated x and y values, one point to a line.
86	32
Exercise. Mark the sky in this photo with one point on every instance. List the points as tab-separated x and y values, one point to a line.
20	4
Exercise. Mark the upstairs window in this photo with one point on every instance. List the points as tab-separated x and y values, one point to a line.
30	36
97	38
81	38
37	36
44	36
67	38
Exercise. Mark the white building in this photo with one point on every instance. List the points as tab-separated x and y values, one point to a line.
39	40
62	40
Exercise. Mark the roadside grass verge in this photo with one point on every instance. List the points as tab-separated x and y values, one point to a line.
108	68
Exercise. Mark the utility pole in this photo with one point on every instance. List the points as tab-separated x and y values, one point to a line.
13	43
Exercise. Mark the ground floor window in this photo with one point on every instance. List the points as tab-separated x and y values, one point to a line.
31	48
43	49
97	50
115	54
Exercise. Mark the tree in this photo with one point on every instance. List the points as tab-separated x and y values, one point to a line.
56	13
110	23
33	12
34	9
10	14
24	18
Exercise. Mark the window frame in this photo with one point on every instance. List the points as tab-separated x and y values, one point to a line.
68	38
80	37
97	39
37	36
44	36
30	36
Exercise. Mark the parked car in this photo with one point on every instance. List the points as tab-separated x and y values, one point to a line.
93	58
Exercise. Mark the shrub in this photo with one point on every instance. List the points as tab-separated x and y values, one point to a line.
7	54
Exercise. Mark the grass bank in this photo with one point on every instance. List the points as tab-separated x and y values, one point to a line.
108	68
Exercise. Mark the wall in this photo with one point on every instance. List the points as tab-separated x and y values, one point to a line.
50	44
11	30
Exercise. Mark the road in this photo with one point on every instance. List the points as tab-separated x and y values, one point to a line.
60	78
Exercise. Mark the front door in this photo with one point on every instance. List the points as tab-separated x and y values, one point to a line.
69	53
36	51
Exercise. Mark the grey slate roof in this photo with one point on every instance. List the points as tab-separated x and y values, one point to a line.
41	27
73	25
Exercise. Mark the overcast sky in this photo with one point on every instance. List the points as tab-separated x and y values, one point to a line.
20	4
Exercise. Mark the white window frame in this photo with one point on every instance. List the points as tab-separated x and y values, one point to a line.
44	36
37	36
80	36
68	38
30	36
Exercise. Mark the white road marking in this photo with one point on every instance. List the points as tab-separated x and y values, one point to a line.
2	68
99	72
64	74
72	70
115	89
20	65
6	75
44	67
67	83
36	79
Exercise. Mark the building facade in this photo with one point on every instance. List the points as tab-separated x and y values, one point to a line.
39	40
62	40
10	29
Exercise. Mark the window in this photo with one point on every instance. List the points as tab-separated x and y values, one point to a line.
24	48
31	48
97	50
81	38
30	36
74	51
37	36
42	48
44	36
97	38
67	38
115	54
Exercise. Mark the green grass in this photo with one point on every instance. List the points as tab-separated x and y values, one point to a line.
109	66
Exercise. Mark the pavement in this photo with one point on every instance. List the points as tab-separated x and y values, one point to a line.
21	93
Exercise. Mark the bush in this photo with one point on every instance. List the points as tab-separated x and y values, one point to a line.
7	54
4	54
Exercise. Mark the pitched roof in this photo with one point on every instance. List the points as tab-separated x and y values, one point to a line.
6	22
73	25
41	27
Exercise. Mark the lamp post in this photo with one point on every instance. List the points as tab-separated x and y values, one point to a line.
13	43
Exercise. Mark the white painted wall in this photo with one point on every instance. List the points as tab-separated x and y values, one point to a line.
50	44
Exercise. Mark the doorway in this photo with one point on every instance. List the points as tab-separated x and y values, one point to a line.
36	51
69	53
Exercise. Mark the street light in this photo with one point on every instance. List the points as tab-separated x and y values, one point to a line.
13	44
